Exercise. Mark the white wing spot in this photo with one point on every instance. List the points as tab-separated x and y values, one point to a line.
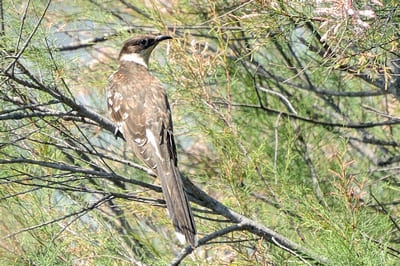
116	108
152	139
110	102
125	116
140	142
119	127
118	96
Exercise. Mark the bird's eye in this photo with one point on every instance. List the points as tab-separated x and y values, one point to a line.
143	42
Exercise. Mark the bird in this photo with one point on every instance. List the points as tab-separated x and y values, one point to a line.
138	104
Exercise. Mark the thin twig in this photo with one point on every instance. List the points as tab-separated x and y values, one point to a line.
317	122
27	41
205	240
276	128
2	28
85	210
76	169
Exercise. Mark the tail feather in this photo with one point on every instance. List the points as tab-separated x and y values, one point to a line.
177	202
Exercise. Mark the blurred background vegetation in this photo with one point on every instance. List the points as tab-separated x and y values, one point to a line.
286	112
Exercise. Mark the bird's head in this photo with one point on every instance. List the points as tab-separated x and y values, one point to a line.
139	48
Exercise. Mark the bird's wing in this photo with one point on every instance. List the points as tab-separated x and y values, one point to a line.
126	99
141	107
159	126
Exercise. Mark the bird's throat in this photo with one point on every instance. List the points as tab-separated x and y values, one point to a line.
135	58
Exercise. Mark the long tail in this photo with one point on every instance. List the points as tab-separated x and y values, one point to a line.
177	202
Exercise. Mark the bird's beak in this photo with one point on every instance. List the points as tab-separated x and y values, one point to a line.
160	38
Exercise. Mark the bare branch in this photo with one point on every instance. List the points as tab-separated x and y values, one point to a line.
76	169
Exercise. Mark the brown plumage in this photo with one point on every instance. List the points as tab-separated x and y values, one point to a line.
138	103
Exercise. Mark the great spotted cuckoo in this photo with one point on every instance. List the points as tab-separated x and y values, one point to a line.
138	103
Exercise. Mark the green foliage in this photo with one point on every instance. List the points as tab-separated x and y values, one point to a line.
279	112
